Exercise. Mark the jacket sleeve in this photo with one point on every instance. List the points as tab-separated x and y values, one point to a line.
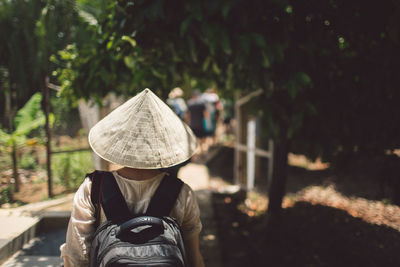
191	224
75	251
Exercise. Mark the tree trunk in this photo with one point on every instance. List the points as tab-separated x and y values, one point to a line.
279	175
48	138
15	168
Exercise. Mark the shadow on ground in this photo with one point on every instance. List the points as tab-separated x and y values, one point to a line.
221	164
46	244
307	235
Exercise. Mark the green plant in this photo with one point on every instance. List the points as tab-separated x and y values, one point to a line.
29	118
5	194
28	162
71	168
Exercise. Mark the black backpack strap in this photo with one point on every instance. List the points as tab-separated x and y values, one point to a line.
165	196
97	183
105	190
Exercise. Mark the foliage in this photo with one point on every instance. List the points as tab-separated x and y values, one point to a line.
352	67
81	53
31	32
19	48
30	117
28	161
66	117
5	194
315	68
327	69
113	60
159	45
71	168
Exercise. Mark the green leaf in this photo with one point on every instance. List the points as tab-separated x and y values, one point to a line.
129	61
226	8
52	119
29	112
193	50
109	44
226	46
185	25
158	74
206	63
129	39
86	16
304	78
4	137
258	39
26	128
298	82
292	90
216	69
265	60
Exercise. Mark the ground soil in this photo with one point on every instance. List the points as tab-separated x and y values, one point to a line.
33	187
326	221
36	192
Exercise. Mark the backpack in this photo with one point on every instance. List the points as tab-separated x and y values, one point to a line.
178	109
150	239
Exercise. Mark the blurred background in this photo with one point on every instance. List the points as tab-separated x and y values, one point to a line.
297	101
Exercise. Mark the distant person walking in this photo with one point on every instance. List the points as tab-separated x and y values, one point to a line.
195	118
214	109
177	103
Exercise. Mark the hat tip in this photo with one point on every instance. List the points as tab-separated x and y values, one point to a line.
147	90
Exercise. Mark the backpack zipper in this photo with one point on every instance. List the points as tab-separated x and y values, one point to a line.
126	244
142	261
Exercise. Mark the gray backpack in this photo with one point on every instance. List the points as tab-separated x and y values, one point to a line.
125	239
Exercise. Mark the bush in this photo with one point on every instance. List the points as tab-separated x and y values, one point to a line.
5	194
28	162
71	168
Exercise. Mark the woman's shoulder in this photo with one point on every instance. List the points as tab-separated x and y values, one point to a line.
187	195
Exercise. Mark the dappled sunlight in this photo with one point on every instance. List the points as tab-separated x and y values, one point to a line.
375	212
34	261
303	162
318	227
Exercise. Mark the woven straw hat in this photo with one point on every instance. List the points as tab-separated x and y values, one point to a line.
143	133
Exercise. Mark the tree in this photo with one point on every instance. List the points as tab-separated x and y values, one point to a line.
159	44
30	117
31	32
321	64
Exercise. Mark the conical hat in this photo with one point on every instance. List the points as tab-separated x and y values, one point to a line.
143	133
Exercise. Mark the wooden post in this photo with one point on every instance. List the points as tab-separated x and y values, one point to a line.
251	156
46	96
15	167
240	101
238	126
270	162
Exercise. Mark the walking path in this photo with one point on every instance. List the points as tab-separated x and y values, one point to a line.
19	225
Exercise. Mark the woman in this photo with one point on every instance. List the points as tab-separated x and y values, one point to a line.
145	137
